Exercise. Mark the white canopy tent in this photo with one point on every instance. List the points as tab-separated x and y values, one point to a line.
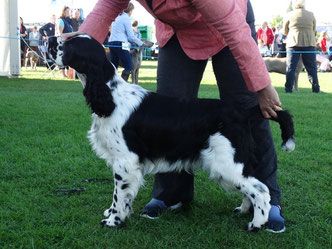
10	60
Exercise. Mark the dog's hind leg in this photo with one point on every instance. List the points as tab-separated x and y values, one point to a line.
127	180
218	159
259	196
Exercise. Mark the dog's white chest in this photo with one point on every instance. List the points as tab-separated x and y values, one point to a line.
106	138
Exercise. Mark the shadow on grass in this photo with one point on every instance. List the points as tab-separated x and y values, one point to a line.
152	79
148	67
28	84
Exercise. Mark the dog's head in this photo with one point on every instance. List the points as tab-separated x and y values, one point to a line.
87	56
80	52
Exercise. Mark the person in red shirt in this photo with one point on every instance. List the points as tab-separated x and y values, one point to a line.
323	38
189	32
323	58
265	34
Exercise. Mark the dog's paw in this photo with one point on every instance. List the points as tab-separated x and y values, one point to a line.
112	222
252	228
107	212
239	210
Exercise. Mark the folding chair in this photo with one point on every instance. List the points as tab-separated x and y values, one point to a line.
50	65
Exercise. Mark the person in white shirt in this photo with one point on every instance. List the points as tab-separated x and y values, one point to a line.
122	34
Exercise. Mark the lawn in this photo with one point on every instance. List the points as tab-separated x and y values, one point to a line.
44	151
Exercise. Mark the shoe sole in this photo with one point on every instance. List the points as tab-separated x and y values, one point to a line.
176	206
273	231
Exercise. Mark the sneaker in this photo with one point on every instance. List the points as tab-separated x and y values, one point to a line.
156	207
276	222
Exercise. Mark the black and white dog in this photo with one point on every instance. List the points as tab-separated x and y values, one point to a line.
139	132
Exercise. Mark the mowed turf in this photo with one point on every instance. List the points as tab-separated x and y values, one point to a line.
44	153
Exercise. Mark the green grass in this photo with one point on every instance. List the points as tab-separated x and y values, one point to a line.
43	148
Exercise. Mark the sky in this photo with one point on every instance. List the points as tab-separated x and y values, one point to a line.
264	9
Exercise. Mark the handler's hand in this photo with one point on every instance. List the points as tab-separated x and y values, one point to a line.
269	101
68	35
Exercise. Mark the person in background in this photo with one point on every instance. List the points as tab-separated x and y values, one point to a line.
48	29
300	28
64	23
122	33
277	42
265	34
23	35
188	34
137	33
76	20
323	41
323	58
263	49
34	38
279	36
64	26
45	32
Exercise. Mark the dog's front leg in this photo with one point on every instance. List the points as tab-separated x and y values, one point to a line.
245	206
127	180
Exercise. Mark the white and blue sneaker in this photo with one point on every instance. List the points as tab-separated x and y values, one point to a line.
156	207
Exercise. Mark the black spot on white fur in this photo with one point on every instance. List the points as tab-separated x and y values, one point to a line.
124	186
117	177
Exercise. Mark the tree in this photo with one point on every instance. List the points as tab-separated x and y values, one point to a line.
278	19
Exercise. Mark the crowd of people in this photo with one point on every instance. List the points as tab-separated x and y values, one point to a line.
33	39
125	31
273	42
298	39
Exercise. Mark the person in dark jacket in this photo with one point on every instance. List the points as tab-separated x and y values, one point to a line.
64	26
48	29
23	35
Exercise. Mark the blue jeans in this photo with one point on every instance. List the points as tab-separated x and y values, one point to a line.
118	54
309	62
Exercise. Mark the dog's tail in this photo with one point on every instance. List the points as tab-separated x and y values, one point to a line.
285	120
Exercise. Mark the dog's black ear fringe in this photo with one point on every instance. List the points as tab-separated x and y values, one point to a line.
97	94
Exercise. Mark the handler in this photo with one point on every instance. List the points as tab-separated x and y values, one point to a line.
189	32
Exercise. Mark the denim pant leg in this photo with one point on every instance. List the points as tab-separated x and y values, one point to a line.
177	76
293	57
232	86
114	57
125	58
310	64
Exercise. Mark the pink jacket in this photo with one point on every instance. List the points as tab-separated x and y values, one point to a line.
203	28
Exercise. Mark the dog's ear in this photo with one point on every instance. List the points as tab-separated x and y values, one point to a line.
97	94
